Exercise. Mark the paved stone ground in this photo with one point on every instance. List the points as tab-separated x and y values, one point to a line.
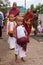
34	53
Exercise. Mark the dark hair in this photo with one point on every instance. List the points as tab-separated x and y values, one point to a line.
19	18
14	3
34	11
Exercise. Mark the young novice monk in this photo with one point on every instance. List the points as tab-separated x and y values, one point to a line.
11	28
21	43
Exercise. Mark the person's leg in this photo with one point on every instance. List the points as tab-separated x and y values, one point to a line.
22	54
12	42
0	31
22	59
16	51
15	57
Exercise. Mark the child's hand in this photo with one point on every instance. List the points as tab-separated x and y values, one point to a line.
14	36
26	33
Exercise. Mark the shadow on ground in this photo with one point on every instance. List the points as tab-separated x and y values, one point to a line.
39	37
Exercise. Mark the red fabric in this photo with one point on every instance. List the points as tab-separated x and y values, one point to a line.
28	15
22	40
25	47
14	11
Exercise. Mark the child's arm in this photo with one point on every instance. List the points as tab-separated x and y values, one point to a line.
25	31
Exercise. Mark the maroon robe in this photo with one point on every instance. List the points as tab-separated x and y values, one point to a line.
14	11
28	16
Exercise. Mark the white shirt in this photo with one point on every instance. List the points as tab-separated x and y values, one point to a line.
11	26
20	31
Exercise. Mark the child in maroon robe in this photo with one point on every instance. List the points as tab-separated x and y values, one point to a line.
28	19
15	11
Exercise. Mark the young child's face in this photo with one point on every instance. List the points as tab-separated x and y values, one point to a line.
11	17
19	22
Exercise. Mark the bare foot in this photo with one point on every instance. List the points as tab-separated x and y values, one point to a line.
22	59
16	61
